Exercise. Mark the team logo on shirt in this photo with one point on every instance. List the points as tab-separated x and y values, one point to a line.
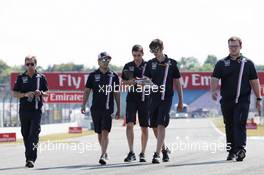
154	66
25	79
97	77
227	63
131	68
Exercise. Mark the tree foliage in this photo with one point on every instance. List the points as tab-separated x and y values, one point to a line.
184	64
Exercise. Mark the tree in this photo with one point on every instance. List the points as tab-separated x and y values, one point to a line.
260	67
115	68
211	60
4	72
65	67
206	68
189	64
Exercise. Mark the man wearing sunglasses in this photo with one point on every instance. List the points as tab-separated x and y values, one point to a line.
29	88
238	75
136	103
105	87
162	70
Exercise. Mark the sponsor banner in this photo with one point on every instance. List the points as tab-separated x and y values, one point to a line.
7	137
64	97
196	80
72	81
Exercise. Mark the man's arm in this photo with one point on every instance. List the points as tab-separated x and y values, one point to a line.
117	99
180	94
44	93
85	99
216	76
41	93
18	94
214	87
256	88
45	89
129	82
21	95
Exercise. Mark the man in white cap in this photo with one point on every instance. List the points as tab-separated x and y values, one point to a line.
104	84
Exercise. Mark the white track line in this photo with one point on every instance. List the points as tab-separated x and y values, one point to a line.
216	129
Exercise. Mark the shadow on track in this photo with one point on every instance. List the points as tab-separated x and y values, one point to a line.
199	163
96	166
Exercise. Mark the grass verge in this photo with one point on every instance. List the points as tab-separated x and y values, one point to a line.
250	132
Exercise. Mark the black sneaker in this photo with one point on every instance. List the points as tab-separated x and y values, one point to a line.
130	157
142	157
29	164
240	155
165	155
102	160
231	156
156	158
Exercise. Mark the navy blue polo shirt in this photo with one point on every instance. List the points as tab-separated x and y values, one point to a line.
227	70
136	72
24	83
155	70
98	82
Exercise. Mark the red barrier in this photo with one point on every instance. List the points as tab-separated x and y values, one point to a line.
251	124
7	137
75	130
75	81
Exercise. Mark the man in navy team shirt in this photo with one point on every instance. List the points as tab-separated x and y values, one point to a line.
162	71
136	103
105	87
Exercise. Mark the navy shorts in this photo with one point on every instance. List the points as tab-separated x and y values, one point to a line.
160	112
137	107
102	120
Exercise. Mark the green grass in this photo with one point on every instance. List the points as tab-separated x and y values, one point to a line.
250	132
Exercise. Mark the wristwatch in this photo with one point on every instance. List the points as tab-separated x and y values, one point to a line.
259	99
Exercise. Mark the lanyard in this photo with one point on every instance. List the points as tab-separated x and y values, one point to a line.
143	92
243	61
165	79
37	99
108	93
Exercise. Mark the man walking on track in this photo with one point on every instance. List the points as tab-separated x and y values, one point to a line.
136	103
162	71
238	75
30	88
105	87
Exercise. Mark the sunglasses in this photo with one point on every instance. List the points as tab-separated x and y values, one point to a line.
30	64
156	50
137	55
233	46
105	59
